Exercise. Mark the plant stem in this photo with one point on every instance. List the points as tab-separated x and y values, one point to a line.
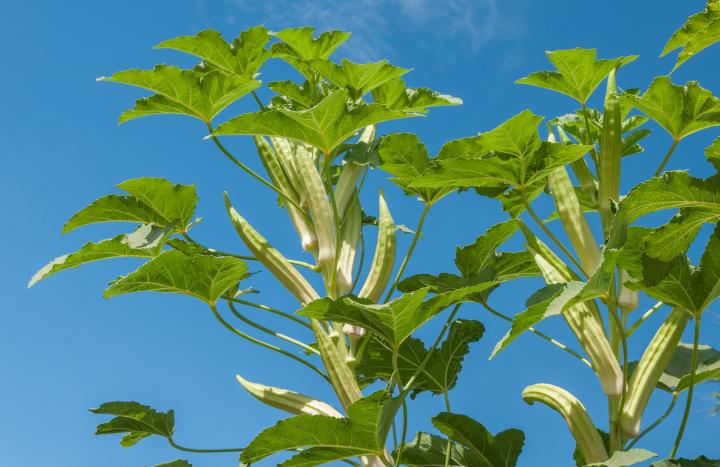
257	99
642	318
183	448
616	436
449	445
251	172
691	388
411	249
657	422
403	432
593	153
269	331
552	236
261	343
667	157
272	310
553	341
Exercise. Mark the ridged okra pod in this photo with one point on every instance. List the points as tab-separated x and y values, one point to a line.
350	175
579	422
581	170
583	319
340	374
270	160
349	238
287	400
610	154
652	364
384	258
271	258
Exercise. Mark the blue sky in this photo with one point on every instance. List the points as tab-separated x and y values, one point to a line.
65	349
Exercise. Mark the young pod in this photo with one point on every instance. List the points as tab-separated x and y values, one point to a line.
287	400
384	259
627	299
349	238
652	364
340	374
350	175
578	421
588	184
286	150
318	205
271	258
583	319
270	160
610	154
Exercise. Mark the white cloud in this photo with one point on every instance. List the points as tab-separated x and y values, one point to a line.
373	22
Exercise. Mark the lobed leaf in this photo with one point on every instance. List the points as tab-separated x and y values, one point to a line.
677	373
395	95
136	421
625	458
428	450
700	31
358	78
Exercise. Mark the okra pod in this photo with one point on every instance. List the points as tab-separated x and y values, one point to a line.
287	400
581	170
341	376
579	422
610	154
349	238
271	258
350	174
384	258
652	364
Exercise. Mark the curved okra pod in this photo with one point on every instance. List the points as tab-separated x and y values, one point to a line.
384	258
583	319
647	373
340	374
287	400
349	238
350	174
610	154
581	426
271	258
270	160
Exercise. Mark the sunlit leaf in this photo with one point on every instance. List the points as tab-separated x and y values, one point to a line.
243	57
473	258
577	72
298	47
428	450
136	421
701	461
677	373
444	367
625	458
184	92
325	126
396	96
358	78
175	463
204	277
701	30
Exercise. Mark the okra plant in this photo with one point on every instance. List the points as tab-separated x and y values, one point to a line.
319	137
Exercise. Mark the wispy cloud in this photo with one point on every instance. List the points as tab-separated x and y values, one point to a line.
374	22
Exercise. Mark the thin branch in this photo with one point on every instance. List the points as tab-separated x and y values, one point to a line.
657	422
691	388
272	310
201	451
667	157
642	318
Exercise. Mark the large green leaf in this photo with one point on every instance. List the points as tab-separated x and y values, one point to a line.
481	254
701	30
174	203
325	126
243	57
681	110
145	242
677	373
185	92
136	421
625	458
396	95
674	238
499	450
701	461
326	438
428	450
578	72
175	463
298	47
115	208
358	78
204	277
376	362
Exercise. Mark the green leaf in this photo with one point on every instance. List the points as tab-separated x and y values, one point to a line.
625	458
395	95
701	30
428	450
184	92
298	47
376	362
243	57
358	78
175	463
363	432
502	449
145	242
204	277
299	96
680	110
701	461
677	373
136	421
325	126
114	208
481	254
674	238
546	302
578	72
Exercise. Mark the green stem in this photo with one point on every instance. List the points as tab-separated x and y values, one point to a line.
553	341
448	449
272	310
589	140
657	422
691	388
411	249
270	332
667	157
642	318
552	236
616	436
403	432
206	451
268	346
257	99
